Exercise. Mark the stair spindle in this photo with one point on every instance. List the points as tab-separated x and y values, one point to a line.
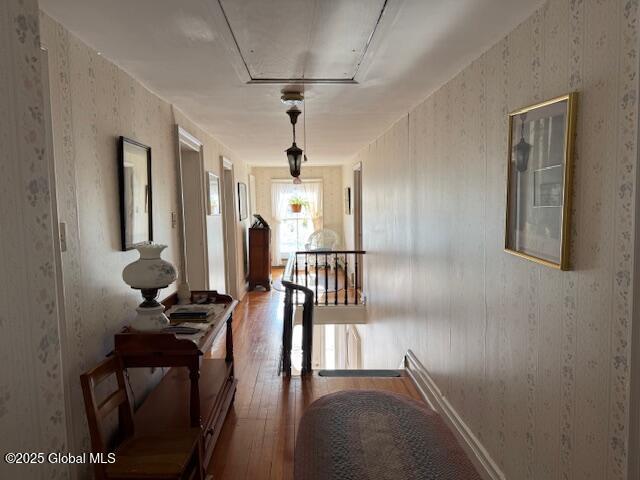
335	277
296	268
346	279
356	282
326	280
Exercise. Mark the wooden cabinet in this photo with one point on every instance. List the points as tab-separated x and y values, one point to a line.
259	257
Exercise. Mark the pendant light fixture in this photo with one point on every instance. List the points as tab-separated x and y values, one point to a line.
294	153
304	125
523	148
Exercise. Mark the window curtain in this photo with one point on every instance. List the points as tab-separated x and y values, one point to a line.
281	192
313	194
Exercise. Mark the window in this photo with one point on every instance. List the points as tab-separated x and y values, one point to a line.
293	228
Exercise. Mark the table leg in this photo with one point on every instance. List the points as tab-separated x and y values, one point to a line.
229	357
194	401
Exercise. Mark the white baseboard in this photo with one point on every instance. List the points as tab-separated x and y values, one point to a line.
479	455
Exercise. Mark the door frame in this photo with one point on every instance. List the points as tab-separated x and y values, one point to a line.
358	243
59	235
229	226
357	206
633	461
186	139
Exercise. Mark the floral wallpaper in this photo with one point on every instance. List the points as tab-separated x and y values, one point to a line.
92	103
534	360
32	408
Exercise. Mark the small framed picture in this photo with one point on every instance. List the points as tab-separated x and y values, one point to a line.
347	201
213	194
242	201
539	181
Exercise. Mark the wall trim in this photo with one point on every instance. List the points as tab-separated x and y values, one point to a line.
192	143
437	401
304	180
189	140
226	163
633	461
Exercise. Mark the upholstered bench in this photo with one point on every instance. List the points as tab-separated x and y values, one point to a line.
372	435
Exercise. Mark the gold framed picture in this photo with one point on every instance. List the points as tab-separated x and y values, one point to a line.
539	181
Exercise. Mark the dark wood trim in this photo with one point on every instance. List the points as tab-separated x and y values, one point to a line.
292	286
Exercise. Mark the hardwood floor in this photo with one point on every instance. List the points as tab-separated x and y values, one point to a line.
258	437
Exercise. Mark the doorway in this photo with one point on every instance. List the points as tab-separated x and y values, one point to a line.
229	227
192	194
357	216
60	247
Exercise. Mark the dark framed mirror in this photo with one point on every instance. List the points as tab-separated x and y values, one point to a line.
136	199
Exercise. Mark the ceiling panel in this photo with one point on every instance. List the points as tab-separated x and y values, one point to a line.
183	51
295	39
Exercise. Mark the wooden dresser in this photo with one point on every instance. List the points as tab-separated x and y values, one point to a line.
259	257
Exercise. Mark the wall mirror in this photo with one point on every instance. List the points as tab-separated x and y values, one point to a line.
134	172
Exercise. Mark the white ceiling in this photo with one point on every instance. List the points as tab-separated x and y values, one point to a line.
199	54
326	39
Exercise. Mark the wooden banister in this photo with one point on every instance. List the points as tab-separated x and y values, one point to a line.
337	261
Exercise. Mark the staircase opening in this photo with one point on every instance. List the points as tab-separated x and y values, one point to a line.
323	303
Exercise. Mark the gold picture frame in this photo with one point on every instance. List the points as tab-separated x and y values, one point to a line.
539	181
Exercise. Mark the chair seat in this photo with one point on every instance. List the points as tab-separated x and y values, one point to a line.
162	456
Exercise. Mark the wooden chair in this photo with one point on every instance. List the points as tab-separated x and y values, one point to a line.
169	455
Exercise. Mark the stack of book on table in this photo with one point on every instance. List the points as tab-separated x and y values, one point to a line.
199	313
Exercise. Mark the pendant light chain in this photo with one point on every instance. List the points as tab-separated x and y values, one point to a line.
304	120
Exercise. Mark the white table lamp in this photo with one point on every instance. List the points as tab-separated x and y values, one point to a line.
149	274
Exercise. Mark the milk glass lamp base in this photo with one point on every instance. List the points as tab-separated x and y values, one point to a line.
150	318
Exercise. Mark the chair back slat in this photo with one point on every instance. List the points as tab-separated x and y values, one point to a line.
96	412
112	402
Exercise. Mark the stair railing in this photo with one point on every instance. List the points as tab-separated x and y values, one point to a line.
335	266
302	275
292	288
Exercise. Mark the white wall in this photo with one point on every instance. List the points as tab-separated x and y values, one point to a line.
535	360
93	102
32	410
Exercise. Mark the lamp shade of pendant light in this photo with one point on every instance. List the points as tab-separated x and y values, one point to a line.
523	148
294	155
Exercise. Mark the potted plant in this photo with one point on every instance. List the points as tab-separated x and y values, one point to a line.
296	203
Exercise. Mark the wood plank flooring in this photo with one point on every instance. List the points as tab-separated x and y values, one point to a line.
258	437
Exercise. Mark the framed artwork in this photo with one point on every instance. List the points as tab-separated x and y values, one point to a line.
347	201
213	194
136	199
242	201
539	181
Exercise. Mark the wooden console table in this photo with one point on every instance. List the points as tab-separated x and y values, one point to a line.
199	395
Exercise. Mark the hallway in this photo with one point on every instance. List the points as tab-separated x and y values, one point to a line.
258	437
452	183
